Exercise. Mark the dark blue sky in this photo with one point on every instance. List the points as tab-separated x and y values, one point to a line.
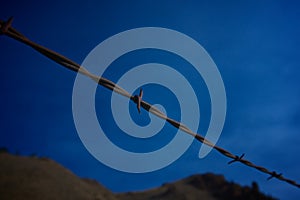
255	45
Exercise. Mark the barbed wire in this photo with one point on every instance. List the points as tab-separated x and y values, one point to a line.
6	29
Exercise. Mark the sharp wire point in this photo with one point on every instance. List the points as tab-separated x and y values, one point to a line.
236	159
274	174
139	100
6	25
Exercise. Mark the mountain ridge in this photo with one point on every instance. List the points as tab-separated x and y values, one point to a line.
32	177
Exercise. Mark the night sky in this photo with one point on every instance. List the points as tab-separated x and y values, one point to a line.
255	45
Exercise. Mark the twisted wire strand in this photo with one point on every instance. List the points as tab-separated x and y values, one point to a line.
58	58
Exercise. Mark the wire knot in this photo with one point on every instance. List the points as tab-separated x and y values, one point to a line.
274	174
138	100
236	159
5	26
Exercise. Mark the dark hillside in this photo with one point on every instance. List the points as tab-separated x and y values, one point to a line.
34	178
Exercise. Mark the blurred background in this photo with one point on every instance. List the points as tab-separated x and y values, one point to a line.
255	45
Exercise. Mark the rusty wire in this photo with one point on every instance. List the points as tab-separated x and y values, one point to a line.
6	29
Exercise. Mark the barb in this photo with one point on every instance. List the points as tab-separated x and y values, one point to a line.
274	174
237	158
5	26
138	99
6	29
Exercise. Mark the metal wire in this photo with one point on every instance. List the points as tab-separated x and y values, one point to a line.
6	29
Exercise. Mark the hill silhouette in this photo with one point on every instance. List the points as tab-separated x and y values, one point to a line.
207	186
36	178
33	178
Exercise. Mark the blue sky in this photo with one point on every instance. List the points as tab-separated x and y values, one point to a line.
255	45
